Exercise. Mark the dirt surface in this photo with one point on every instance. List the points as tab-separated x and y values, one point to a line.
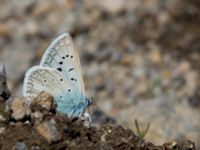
73	134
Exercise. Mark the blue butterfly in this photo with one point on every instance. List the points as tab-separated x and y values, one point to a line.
59	74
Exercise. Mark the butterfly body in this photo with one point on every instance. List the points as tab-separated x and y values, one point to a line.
59	74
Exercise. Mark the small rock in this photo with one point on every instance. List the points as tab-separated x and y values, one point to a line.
35	147
2	129
100	118
43	101
42	8
9	104
2	118
37	116
23	7
156	57
4	29
31	28
20	146
18	107
191	81
183	68
48	130
127	60
112	7
180	145
4	92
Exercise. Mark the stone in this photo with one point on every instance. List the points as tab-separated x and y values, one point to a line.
156	56
43	101
20	146
112	7
48	130
23	7
4	29
4	92
2	129
2	118
37	116
8	107
18	107
180	145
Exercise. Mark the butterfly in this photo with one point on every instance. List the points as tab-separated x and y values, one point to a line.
60	75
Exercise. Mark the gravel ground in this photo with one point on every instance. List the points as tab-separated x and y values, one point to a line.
140	59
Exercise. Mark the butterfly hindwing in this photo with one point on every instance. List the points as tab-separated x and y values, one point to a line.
62	56
40	79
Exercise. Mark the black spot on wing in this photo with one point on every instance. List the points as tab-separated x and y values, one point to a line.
61	62
71	57
70	69
73	79
59	69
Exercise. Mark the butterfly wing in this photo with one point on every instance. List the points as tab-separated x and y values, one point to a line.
61	55
40	79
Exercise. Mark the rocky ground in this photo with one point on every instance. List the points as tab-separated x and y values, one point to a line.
37	126
140	59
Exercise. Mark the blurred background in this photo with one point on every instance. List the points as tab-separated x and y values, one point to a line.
140	58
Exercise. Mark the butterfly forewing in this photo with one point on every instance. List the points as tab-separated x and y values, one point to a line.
59	74
62	56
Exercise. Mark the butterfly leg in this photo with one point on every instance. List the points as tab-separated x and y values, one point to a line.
86	119
87	116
